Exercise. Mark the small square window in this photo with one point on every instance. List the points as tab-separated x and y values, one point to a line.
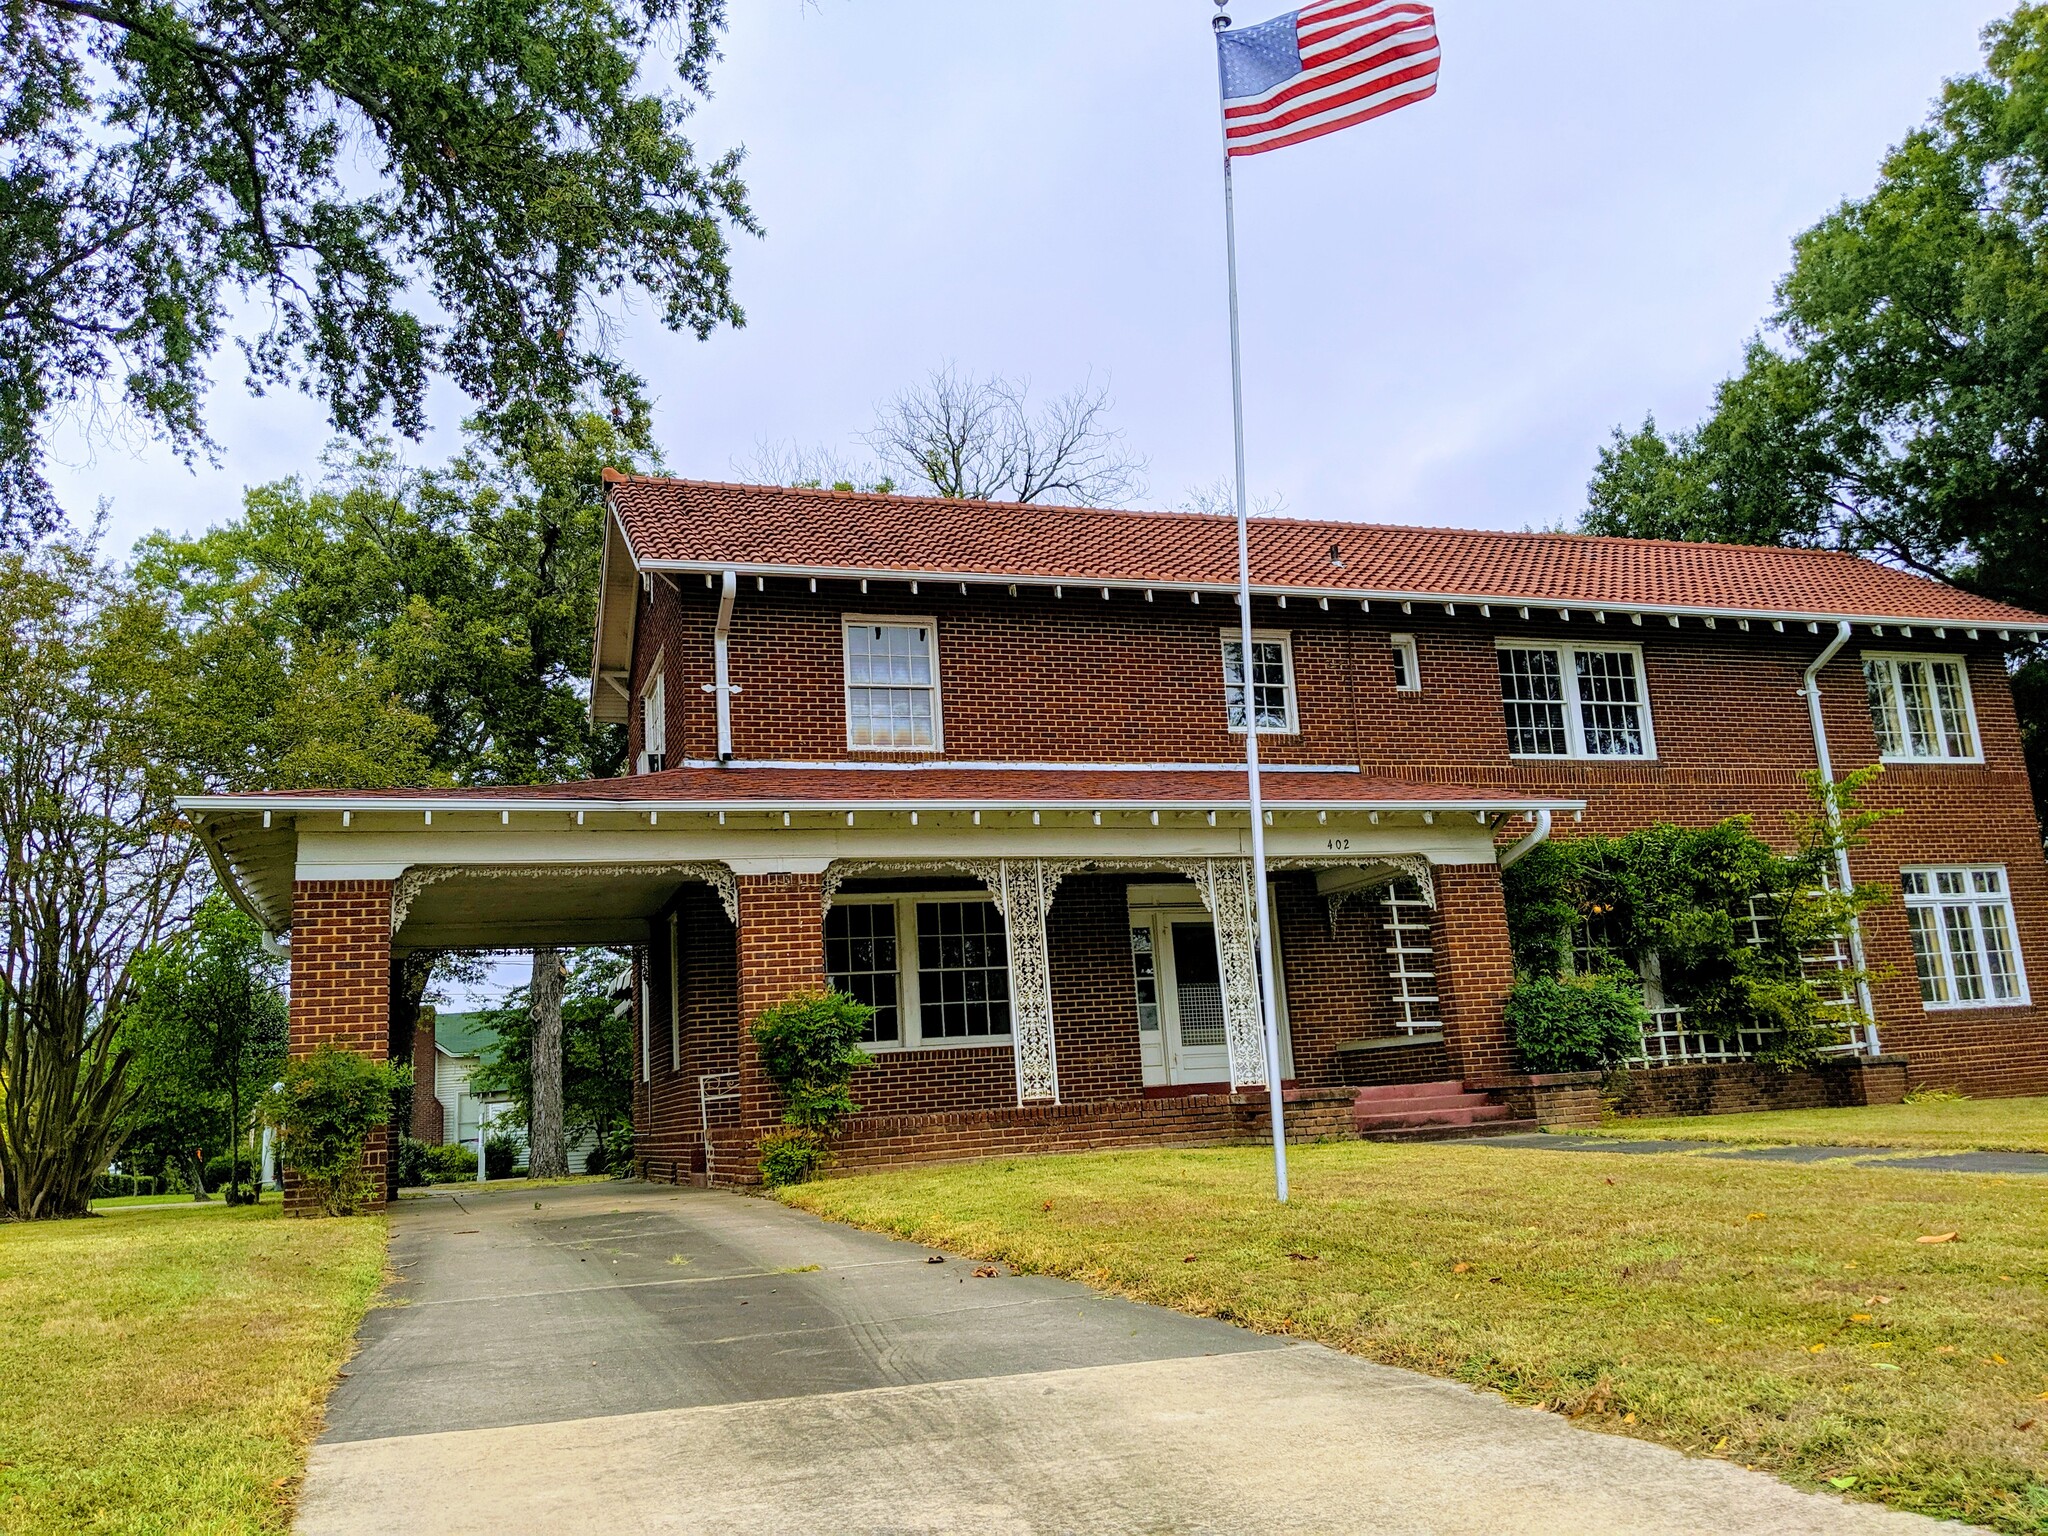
1407	671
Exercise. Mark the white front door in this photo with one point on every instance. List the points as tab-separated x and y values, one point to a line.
1179	979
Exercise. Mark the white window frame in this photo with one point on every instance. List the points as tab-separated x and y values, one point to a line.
910	1034
850	621
1892	659
654	718
1574	720
1229	637
1975	903
1403	646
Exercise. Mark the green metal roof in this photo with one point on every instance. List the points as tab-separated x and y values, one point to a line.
464	1034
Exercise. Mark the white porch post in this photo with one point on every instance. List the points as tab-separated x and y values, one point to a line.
1227	891
1023	890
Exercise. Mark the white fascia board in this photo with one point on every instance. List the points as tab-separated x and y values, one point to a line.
1227	590
328	803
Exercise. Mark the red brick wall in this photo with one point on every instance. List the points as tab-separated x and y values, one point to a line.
426	1109
341	988
709	1033
1473	970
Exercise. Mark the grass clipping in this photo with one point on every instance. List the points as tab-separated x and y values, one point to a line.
1786	1318
165	1369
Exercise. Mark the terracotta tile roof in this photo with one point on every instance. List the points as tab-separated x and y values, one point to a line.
778	787
702	523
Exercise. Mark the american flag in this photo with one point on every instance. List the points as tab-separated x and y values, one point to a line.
1323	67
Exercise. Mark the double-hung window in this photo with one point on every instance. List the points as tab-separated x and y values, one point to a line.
1963	937
892	684
1920	708
1575	701
936	969
1272	682
1407	667
654	721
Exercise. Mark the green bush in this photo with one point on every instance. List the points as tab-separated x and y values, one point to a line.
410	1164
1575	1023
792	1155
451	1163
501	1156
324	1112
810	1049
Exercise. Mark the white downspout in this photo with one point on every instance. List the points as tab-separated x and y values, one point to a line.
1827	772
1536	835
721	687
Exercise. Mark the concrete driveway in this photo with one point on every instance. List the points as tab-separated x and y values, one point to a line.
633	1358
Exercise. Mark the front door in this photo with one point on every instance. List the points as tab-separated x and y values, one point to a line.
1179	977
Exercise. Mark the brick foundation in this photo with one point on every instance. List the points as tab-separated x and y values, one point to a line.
341	992
1554	1100
1733	1088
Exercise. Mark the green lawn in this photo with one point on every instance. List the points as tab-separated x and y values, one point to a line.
1783	1317
165	1370
2006	1125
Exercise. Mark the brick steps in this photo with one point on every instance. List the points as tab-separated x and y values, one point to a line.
1440	1111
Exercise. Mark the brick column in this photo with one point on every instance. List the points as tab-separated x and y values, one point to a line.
1474	970
781	950
426	1109
341	988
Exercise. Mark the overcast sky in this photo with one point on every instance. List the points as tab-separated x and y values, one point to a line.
1446	311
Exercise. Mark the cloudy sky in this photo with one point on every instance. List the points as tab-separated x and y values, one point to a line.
1445	311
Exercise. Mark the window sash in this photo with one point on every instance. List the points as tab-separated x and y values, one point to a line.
892	685
935	966
1964	939
1272	683
862	960
1407	667
1574	701
654	724
1920	708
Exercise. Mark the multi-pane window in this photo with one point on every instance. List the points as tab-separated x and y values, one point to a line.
1272	682
1920	707
1145	972
936	969
1407	674
1574	701
861	960
892	685
963	970
1963	945
654	724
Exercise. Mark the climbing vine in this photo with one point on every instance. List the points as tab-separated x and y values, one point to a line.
1680	899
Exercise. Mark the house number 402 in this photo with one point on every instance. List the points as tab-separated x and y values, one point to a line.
1339	844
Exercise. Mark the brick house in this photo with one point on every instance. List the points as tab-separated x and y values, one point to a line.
973	763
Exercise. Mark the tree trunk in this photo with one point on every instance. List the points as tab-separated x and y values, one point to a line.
547	1154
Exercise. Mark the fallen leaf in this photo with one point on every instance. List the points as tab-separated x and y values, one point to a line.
1876	1301
935	1258
1842	1484
1861	1317
1610	1181
1047	1206
1189	1259
1721	1444
987	1272
1460	1267
1628	1418
677	1258
1713	1319
1886	1365
1936	1237
1758	1216
1814	1349
1303	1258
2026	1424
2006	1278
1944	1349
1994	1359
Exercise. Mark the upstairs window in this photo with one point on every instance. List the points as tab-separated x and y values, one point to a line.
1962	926
1407	672
1272	682
1575	701
654	722
892	685
1920	708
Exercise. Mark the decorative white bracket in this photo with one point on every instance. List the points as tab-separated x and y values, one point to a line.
416	879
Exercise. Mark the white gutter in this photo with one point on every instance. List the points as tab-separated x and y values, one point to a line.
210	805
1536	835
721	687
1827	771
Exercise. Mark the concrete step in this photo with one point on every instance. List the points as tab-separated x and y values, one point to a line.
1451	1086
1450	1132
1467	1114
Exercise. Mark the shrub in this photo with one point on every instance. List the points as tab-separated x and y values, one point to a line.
451	1163
324	1112
792	1155
411	1162
810	1049
501	1155
1574	1023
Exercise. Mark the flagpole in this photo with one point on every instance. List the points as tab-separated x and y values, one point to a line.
1269	1014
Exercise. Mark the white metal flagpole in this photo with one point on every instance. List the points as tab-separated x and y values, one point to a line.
1269	1014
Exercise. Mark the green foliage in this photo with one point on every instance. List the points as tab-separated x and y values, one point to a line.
405	190
1897	408
597	1055
792	1155
205	1035
501	1156
117	1186
452	1163
329	1103
810	1049
409	1163
1682	896
1575	1023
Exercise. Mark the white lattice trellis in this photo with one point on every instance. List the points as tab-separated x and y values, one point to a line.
1411	958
